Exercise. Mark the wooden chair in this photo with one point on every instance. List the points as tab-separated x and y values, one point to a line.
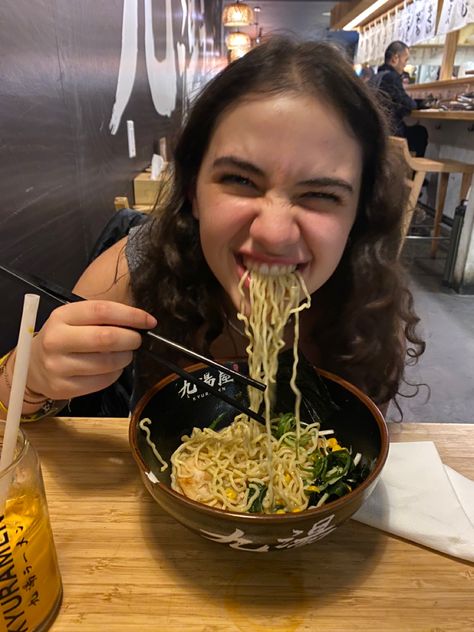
121	202
417	168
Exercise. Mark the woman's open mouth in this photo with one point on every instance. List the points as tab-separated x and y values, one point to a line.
270	268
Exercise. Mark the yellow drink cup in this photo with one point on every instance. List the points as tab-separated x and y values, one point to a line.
30	581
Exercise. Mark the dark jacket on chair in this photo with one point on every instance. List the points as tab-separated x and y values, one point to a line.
389	84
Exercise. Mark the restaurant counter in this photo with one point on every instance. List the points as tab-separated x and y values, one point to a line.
126	565
444	115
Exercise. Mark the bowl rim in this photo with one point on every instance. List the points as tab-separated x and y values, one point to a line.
235	516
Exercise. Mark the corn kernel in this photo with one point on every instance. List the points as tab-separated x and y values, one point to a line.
287	478
312	488
296	510
280	511
231	493
332	443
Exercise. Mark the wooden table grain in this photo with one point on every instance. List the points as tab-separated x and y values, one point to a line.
127	566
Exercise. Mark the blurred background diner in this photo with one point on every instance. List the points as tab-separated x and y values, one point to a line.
91	92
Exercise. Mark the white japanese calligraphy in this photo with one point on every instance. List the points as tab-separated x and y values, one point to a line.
224	378
208	378
318	531
186	63
187	389
238	540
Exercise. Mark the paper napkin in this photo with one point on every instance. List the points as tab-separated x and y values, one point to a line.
421	499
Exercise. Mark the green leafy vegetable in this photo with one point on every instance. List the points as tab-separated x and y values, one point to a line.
282	424
335	475
320	465
217	420
257	505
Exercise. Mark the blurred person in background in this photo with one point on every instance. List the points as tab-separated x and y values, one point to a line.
389	83
366	73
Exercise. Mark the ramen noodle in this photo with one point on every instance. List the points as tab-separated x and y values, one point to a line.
234	468
284	466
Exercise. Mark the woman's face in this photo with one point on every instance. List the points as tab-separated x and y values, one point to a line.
277	190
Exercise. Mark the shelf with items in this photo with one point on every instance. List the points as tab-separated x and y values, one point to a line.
447	89
446	57
438	33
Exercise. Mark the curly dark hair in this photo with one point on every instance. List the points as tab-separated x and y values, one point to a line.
366	327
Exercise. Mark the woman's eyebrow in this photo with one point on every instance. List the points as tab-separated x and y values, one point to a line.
232	161
328	182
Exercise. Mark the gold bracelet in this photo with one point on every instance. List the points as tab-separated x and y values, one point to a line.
3	365
29	393
3	368
30	396
49	408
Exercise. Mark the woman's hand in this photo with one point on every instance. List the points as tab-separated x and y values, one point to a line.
83	347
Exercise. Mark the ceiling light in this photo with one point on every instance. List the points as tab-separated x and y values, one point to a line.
237	53
237	14
364	15
236	39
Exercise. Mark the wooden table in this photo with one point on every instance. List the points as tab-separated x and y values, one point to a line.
127	566
443	115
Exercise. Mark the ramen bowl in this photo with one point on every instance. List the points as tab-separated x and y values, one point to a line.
175	406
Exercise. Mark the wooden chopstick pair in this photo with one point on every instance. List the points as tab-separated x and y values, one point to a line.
63	296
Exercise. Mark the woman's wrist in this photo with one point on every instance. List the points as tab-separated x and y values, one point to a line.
35	405
31	401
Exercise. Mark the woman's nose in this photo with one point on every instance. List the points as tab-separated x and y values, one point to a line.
275	225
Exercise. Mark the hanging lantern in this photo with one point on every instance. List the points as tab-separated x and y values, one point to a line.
237	53
237	14
238	40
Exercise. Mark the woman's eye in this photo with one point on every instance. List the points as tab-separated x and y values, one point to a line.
233	178
321	195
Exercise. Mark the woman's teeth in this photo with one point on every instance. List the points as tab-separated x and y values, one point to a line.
270	269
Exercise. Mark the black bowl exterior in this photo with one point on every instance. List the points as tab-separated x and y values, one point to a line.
176	407
256	532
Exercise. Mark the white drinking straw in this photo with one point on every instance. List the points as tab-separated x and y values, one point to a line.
20	373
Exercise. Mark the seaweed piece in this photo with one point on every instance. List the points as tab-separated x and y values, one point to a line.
317	403
359	472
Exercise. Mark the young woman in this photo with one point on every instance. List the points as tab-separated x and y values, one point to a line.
282	164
